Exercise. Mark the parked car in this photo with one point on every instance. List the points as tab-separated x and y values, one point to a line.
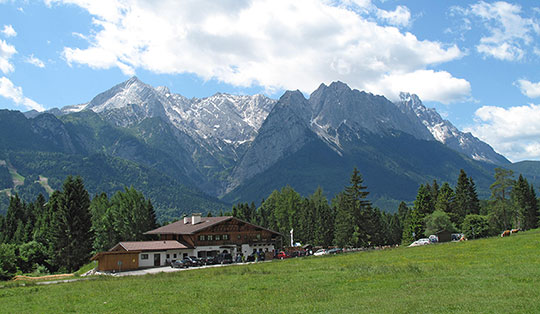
209	260
183	263
320	252
335	251
195	261
420	242
282	255
224	258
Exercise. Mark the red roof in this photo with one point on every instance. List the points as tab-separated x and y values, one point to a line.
149	246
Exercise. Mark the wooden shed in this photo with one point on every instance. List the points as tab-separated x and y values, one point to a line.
117	260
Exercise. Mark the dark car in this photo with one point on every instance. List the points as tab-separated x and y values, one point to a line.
209	260
184	263
195	261
224	258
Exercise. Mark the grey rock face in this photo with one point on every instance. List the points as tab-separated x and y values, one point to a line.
338	104
285	130
445	132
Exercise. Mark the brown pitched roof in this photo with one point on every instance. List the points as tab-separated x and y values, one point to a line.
149	246
179	227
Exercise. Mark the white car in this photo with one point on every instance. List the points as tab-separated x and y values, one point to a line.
420	242
320	252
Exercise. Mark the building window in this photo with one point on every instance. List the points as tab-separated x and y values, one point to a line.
225	237
209	237
218	237
239	237
144	256
174	255
201	238
258	236
168	255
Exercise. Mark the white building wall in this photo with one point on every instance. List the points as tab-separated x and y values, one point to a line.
149	262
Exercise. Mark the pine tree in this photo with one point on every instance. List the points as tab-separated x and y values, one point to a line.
102	223
520	200
502	210
461	199
434	188
72	238
323	229
445	199
473	201
532	211
413	228
354	205
344	226
424	204
14	222
402	212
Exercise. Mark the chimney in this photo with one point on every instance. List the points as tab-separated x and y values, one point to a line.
186	220
195	218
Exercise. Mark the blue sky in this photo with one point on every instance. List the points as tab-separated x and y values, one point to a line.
476	62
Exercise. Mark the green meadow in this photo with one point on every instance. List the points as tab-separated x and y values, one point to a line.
493	275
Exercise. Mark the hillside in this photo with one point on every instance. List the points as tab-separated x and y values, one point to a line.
102	173
493	275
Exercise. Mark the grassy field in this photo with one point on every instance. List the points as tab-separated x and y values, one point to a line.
485	276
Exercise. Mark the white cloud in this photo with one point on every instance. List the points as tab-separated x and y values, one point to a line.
15	93
528	88
509	32
35	61
514	131
275	44
6	52
8	31
427	84
401	16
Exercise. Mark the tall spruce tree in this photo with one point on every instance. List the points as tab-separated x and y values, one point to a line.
520	200
532	211
502	209
102	223
356	208
445	199
323	228
14	224
461	199
424	203
473	201
72	238
344	226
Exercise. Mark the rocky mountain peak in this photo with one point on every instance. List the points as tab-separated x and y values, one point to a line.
445	132
164	90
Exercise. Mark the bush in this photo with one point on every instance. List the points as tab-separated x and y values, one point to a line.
30	254
476	226
438	221
8	261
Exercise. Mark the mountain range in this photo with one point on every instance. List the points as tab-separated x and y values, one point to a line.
229	148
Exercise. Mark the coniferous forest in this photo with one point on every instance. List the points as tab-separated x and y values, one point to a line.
61	235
